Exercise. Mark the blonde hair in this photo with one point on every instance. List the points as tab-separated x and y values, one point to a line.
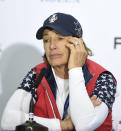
89	51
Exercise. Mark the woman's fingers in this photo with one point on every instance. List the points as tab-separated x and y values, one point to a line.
94	101
78	52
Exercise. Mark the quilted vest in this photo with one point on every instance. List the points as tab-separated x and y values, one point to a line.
46	103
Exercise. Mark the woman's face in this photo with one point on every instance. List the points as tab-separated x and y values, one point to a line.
55	48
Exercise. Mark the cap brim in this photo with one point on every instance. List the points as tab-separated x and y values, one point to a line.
61	31
39	33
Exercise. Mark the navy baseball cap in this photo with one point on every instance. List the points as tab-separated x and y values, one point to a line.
63	24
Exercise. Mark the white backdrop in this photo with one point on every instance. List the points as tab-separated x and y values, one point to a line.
19	49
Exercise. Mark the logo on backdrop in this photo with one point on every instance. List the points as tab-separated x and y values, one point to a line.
61	1
117	42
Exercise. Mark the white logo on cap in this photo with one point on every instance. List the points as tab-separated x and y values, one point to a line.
53	18
78	28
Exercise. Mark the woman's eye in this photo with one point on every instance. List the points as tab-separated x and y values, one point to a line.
60	38
45	41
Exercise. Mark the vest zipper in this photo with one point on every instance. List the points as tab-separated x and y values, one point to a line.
49	100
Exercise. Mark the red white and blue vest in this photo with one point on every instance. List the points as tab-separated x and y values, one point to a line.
46	103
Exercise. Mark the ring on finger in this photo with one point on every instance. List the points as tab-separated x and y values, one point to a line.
76	43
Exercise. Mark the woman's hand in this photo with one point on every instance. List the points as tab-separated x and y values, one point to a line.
94	101
78	53
67	125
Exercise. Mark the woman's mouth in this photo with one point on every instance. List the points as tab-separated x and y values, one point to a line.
54	56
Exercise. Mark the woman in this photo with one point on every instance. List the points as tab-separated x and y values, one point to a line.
62	99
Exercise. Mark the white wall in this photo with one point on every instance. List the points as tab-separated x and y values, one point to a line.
100	19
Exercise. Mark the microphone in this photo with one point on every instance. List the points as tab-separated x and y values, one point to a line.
31	125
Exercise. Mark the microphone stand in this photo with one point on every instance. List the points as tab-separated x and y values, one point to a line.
31	125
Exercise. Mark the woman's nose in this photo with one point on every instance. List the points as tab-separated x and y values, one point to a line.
52	44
